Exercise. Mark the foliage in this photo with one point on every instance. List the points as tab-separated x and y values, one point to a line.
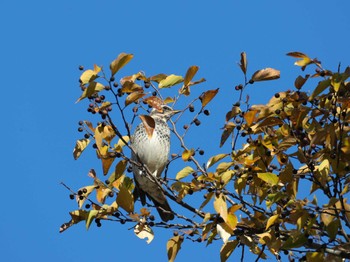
254	196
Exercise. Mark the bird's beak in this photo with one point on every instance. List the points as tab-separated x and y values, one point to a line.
174	112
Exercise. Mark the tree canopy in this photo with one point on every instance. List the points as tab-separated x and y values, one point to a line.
282	193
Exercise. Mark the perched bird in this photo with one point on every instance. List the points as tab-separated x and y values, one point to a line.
151	146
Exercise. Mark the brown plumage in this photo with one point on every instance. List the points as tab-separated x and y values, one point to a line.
151	145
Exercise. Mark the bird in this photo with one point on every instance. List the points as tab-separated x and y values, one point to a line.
151	146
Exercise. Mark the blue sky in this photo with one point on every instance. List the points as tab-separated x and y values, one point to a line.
44	42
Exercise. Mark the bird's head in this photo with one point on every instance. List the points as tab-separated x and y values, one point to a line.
164	112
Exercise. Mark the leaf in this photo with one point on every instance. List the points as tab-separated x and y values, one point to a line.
227	249
187	154
316	257
206	201
133	97
91	215
106	164
125	199
120	62
322	85
269	178
228	129
184	173
304	61
222	167
190	74
158	78
92	88
88	76
155	102
250	117
130	87
207	96
223	231
149	124
119	146
232	221
215	159
173	246
220	206
266	74
170	80
76	217
300	81
80	146
142	231
243	63
332	229
271	221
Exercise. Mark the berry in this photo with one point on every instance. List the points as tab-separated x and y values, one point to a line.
84	190
206	112
102	97
185	126
112	79
80	123
201	152
80	129
197	122
277	95
122	221
115	84
87	206
176	233
107	88
80	192
94	146
191	108
111	194
81	68
71	196
154	93
86	136
98	100
278	111
152	218
151	224
147	84
81	197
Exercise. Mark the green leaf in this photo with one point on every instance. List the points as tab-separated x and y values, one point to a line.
93	87
80	146
184	173
170	80
91	215
120	62
269	178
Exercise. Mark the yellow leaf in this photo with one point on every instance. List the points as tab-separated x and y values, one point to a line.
227	249
142	231
223	166
170	80
173	246
215	159
106	164
224	231
271	221
269	178
91	215
220	206
91	89
88	76
125	199
184	173
207	96
266	74
226	176
232	221
250	117
187	154
80	147
133	97
120	62
119	146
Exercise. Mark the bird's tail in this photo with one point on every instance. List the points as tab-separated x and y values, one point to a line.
164	210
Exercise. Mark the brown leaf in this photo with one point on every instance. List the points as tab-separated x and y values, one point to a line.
106	164
266	74
190	74
228	129
149	124
158	78
173	246
227	249
300	81
120	62
133	97
129	87
155	102
243	63
80	147
207	96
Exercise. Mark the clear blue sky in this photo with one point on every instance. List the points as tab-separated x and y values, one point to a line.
42	44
